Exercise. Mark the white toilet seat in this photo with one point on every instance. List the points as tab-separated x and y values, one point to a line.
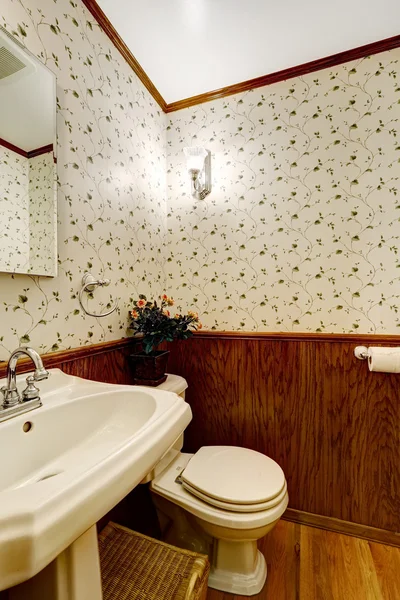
234	478
167	485
240	508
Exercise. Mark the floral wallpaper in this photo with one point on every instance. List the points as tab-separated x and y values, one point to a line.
111	183
42	214
301	230
14	211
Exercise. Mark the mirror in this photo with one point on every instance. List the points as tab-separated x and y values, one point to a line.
28	193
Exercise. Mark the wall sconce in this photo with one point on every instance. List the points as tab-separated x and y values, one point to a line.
199	167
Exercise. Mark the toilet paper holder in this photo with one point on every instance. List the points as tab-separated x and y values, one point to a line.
361	352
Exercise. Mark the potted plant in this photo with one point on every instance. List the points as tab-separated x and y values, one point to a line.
154	321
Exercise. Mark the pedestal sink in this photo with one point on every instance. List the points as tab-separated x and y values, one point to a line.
64	466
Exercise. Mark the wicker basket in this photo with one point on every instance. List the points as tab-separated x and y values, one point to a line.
134	566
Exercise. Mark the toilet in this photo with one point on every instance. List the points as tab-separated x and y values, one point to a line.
219	501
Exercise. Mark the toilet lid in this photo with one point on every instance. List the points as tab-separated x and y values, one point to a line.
233	475
238	508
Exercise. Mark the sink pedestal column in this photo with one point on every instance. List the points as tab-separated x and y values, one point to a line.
73	575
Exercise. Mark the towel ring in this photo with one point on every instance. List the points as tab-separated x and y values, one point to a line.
89	284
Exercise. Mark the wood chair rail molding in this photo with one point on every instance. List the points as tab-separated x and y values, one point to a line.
237	88
294	336
63	357
54	359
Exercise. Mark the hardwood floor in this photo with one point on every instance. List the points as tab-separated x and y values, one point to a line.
305	563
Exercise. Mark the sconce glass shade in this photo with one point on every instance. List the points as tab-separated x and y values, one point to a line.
195	157
199	167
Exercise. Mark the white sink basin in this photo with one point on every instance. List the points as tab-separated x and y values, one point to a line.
88	446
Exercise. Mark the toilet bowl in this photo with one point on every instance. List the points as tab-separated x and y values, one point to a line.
220	501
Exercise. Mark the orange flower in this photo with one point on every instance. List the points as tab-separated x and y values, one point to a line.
164	297
192	314
167	313
141	303
170	302
177	316
199	325
134	314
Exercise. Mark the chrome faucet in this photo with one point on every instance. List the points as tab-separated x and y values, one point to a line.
13	404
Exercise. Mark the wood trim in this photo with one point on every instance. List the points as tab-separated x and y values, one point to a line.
297	71
13	148
54	359
294	336
31	153
118	42
40	151
346	527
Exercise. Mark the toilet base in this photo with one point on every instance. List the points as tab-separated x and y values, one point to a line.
243	572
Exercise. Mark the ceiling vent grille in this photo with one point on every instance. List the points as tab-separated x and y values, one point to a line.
9	64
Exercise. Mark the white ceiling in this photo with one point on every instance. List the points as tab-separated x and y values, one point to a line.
188	47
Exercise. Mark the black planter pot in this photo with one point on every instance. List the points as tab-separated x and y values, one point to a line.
149	369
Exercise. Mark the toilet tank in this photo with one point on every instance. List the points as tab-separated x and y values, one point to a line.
178	385
174	383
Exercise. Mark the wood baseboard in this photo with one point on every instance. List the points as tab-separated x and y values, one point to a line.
365	532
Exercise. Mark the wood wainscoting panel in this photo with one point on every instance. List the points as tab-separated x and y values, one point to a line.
106	361
310	405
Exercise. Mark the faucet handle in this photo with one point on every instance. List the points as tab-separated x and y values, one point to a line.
31	392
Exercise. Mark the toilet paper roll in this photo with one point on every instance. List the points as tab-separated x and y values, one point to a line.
384	360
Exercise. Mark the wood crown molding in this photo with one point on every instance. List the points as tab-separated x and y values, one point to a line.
372	534
24	153
118	42
13	148
294	336
54	359
40	151
237	88
297	71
